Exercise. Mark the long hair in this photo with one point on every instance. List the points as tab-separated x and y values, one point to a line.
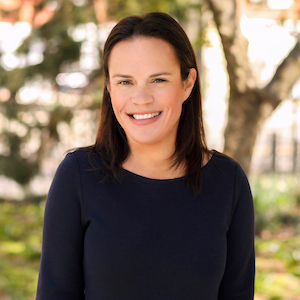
111	141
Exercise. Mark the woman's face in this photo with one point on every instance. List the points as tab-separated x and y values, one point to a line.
147	91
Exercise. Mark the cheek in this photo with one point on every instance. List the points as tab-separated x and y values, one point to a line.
119	97
174	99
116	101
116	107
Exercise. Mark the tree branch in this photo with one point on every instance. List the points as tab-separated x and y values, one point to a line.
235	45
284	78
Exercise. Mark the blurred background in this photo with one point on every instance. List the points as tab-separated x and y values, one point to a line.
50	93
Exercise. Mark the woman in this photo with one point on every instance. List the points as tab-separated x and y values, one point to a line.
148	212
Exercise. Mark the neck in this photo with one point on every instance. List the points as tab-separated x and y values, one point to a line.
153	162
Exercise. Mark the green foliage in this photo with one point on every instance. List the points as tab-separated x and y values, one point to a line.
177	8
275	198
18	168
60	51
13	80
59	48
16	164
278	265
278	235
20	235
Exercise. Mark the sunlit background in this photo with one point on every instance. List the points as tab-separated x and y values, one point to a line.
272	31
269	43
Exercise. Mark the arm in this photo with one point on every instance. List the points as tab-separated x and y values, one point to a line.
61	269
238	279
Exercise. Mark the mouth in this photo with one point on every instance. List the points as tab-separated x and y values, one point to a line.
145	116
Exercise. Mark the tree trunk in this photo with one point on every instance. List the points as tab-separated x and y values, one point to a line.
248	105
246	114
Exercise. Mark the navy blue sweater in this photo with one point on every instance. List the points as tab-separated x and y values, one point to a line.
145	238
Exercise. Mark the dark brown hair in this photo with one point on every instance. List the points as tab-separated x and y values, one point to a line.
111	140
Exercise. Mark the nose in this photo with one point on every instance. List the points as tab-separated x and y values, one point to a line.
142	96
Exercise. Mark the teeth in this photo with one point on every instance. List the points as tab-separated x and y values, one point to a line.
145	116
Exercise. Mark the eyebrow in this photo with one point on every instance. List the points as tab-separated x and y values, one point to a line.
121	75
160	74
153	75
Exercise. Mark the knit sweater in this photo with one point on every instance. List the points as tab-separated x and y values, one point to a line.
144	238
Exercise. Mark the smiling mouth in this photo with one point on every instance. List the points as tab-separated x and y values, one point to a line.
145	116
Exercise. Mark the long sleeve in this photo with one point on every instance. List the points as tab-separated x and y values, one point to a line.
238	279
61	269
143	238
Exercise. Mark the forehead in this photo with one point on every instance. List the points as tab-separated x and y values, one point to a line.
143	51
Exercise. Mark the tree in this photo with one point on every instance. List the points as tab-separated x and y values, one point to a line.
249	104
50	22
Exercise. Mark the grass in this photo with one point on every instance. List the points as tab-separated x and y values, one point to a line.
277	204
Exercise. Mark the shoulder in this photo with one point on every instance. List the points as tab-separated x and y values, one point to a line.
224	163
77	166
229	176
223	166
76	163
82	158
233	171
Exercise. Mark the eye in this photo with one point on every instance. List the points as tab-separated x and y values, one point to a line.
158	80
124	82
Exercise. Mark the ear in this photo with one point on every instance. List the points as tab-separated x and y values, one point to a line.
189	83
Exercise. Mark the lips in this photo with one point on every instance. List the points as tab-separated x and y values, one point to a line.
145	116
